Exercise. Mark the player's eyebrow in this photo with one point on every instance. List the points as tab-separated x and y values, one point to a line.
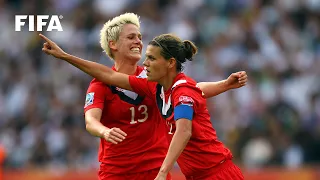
150	56
135	34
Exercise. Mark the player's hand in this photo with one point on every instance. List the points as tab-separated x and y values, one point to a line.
161	176
236	80
114	135
51	48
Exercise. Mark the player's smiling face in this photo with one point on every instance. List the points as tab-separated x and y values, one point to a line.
129	45
156	65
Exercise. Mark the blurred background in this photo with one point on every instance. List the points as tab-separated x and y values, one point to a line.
272	125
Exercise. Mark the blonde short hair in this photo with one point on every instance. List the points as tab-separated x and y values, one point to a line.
111	30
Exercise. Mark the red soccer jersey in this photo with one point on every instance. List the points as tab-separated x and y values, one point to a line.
203	150
146	144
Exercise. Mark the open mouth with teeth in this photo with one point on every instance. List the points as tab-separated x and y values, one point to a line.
135	49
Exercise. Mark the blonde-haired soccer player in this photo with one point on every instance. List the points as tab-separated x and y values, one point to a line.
110	33
133	139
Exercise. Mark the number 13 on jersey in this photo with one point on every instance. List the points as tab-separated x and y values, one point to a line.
142	109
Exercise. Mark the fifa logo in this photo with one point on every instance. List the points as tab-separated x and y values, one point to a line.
42	20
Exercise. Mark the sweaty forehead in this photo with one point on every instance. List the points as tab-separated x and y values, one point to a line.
128	29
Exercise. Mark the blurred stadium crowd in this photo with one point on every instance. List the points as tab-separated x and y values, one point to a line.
274	120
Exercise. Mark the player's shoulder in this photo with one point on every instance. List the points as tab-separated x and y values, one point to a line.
183	80
185	85
95	81
96	85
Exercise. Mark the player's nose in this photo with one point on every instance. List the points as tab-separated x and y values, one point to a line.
146	62
137	40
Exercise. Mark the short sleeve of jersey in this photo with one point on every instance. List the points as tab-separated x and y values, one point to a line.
184	95
141	86
96	95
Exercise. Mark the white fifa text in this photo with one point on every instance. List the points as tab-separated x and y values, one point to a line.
42	20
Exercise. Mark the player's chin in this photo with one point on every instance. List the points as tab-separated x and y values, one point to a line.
133	58
136	56
149	78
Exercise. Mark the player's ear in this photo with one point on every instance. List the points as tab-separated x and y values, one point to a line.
171	63
112	45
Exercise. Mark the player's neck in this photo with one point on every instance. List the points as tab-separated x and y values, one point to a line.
125	67
167	81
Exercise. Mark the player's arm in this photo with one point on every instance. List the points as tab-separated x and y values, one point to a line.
93	124
235	80
99	71
96	128
179	141
183	115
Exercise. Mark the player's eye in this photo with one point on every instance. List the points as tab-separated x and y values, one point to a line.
150	58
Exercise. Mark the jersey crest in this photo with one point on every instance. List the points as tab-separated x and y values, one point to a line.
89	99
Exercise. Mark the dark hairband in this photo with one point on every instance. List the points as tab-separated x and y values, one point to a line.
166	50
